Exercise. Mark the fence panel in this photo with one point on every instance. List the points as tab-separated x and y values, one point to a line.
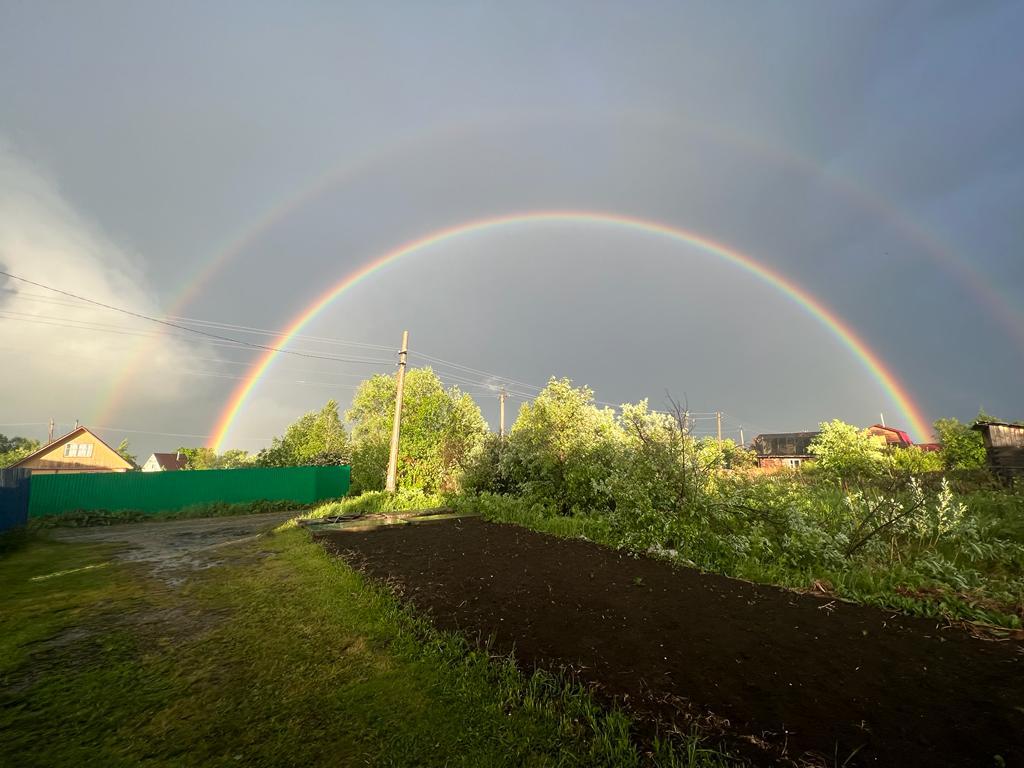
167	491
14	494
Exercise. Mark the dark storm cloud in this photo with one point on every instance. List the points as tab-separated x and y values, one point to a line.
820	138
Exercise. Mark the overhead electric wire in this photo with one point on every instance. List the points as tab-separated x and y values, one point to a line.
489	385
179	326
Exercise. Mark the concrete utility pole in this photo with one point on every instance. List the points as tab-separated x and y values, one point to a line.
501	418
718	417
50	437
742	441
392	480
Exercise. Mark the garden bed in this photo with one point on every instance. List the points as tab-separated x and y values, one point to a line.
799	676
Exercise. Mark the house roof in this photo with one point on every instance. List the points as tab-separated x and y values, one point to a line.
904	437
170	461
66	439
983	424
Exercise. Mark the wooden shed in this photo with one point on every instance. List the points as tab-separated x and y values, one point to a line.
1004	446
783	449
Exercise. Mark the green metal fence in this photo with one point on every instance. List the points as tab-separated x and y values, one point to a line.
167	491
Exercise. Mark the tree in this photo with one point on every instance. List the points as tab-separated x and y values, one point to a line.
235	458
14	449
913	461
125	454
562	447
962	447
199	458
440	430
207	458
846	452
317	438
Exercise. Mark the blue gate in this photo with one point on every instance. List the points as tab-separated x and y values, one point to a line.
14	485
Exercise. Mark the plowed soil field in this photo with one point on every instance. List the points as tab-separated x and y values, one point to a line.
783	676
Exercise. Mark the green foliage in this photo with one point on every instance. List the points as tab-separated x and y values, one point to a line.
912	461
962	447
317	438
86	518
14	449
207	458
441	429
124	452
561	447
844	451
377	502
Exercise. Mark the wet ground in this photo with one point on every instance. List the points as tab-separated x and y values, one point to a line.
790	676
172	548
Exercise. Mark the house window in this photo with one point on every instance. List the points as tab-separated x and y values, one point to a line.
80	450
794	463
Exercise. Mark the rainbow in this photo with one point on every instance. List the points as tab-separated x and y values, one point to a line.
868	358
987	295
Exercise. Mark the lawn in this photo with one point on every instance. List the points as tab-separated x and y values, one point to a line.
278	655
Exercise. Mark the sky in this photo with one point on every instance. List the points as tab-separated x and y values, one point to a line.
221	165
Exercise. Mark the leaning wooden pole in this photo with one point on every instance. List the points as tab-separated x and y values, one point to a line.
392	480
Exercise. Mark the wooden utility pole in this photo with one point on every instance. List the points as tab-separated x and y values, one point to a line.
50	434
392	479
501	418
718	417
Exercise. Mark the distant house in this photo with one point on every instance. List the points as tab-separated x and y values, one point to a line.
77	451
893	437
783	449
1004	447
165	462
929	447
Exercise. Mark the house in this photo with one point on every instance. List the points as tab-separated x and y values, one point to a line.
78	451
929	447
896	438
1004	447
783	449
165	462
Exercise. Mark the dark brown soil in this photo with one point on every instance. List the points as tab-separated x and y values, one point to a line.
815	679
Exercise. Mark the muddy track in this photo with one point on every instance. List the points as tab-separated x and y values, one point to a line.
810	679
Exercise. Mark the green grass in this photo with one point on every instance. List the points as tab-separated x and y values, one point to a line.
84	518
280	656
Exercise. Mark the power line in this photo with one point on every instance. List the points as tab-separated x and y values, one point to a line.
181	327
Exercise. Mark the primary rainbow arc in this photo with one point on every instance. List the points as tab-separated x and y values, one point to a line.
889	382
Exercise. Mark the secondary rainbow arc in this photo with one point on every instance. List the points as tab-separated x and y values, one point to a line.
870	360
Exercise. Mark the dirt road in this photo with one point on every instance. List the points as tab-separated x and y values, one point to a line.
174	547
808	679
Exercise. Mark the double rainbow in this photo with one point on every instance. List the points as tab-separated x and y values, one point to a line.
896	392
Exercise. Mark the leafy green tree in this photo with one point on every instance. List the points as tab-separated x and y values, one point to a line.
846	452
317	438
206	458
913	461
14	449
200	458
440	431
562	447
962	447
235	458
124	452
